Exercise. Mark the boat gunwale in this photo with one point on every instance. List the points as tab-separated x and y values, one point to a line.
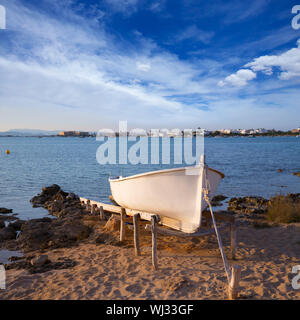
161	171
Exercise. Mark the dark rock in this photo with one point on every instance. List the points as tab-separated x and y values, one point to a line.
296	174
217	200
7	218
17	225
15	258
58	233
64	263
5	211
248	205
7	233
47	194
219	197
72	196
2	224
58	203
40	260
51	190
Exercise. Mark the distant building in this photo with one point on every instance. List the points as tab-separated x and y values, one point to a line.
261	130
296	130
73	134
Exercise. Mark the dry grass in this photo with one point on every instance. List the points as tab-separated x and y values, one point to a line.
283	209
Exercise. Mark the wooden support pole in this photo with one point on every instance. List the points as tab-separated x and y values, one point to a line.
154	242
136	219
233	238
83	204
88	205
101	213
233	289
93	209
122	225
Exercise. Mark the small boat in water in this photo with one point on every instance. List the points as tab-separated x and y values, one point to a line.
176	195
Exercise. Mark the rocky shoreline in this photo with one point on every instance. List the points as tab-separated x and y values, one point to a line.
71	224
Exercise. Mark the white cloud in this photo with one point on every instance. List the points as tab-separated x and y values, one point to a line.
143	66
194	33
238	79
67	64
287	62
71	74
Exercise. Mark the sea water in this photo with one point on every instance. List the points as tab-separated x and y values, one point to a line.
249	164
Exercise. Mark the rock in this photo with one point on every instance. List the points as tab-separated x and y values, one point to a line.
219	197
7	233
7	218
217	200
5	211
279	170
58	203
296	174
2	224
17	225
72	196
63	263
15	258
40	260
51	190
47	194
58	233
248	205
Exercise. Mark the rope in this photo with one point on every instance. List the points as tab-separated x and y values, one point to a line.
206	191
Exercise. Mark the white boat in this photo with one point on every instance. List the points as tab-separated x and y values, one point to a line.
176	195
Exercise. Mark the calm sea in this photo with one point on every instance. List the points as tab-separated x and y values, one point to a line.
249	164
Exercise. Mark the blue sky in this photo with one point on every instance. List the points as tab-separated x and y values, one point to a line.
86	65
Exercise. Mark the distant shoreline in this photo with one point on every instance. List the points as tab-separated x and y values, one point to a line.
223	135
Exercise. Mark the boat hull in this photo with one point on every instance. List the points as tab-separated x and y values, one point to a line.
176	194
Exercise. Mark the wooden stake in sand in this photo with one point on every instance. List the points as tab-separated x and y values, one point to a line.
88	205
122	225
233	288
136	219
101	213
154	242
93	209
233	238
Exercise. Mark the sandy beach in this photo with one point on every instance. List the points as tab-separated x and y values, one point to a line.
188	268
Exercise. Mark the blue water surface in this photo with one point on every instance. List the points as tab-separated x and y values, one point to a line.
249	164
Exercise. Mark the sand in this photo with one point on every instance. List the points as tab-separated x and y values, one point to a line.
188	269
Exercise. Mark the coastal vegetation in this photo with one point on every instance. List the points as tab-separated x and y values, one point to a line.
284	209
